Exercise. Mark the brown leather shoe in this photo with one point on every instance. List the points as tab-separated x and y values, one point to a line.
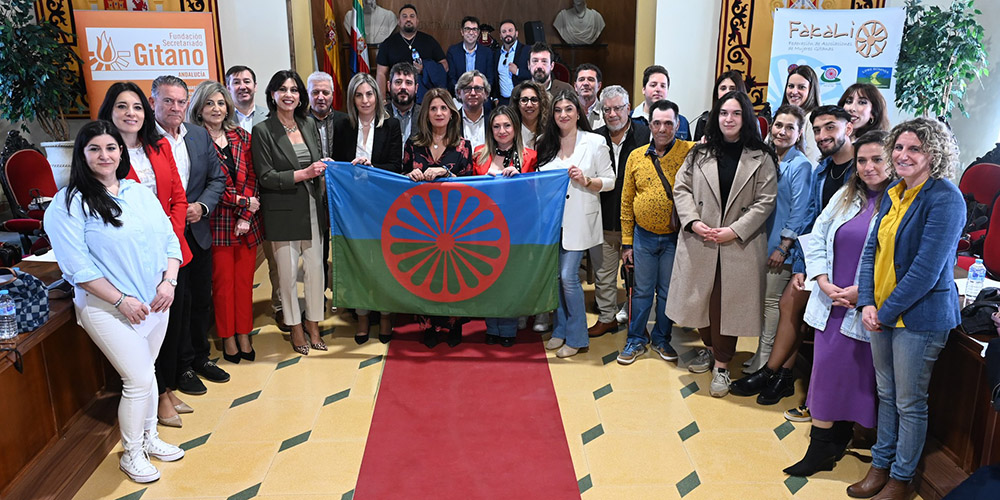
873	482
600	328
893	490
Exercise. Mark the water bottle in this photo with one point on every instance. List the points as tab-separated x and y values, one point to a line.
977	276
8	320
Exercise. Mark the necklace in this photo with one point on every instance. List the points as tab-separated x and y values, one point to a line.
842	173
290	130
436	140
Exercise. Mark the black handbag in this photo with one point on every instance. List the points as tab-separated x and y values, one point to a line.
31	298
10	255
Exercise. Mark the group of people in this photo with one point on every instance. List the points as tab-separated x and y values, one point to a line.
173	202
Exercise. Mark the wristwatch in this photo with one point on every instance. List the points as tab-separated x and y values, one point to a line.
171	282
243	202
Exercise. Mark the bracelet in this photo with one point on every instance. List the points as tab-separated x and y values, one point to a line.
782	251
120	300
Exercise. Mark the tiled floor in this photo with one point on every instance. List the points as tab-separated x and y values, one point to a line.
288	426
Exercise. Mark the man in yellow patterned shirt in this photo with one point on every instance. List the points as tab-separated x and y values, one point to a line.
647	238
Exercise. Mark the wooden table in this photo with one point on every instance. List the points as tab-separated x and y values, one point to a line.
58	418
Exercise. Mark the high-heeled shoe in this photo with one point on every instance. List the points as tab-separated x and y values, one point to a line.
319	346
301	349
430	338
183	408
174	421
232	358
361	338
249	356
385	337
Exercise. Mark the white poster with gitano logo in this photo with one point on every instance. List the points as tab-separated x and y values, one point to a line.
842	46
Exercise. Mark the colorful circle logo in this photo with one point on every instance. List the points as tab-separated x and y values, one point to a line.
445	242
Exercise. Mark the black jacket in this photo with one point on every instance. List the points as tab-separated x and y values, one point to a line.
611	201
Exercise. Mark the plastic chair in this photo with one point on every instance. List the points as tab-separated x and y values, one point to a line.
982	181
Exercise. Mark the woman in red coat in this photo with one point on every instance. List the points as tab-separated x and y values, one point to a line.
152	165
504	152
235	223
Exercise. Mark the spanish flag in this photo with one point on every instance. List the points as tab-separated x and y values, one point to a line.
359	63
331	56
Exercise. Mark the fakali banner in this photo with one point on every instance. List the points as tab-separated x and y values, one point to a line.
140	46
842	46
478	246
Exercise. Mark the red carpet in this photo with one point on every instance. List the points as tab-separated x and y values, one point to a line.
472	422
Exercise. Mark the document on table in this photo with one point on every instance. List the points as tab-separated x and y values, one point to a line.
804	240
49	256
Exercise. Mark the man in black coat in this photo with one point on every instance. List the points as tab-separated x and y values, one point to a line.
623	136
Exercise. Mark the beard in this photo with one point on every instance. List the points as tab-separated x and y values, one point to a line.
401	98
508	39
409	28
539	75
616	128
837	144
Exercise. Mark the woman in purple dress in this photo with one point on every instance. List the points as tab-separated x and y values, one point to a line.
842	386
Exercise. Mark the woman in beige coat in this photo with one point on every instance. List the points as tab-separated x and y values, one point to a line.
722	249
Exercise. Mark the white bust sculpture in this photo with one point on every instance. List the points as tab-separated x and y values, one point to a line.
379	22
579	25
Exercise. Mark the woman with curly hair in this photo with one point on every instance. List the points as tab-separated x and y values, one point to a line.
531	102
908	297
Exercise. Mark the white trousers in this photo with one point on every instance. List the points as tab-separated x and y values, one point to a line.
132	355
286	256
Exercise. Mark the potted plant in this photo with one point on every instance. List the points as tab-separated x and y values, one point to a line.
37	83
941	53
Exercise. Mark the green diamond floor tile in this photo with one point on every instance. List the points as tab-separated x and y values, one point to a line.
609	357
688	484
783	430
370	361
133	496
194	443
592	434
288	362
247	493
255	285
795	483
603	391
294	441
688	355
333	398
585	483
255	331
688	431
689	389
245	399
347	496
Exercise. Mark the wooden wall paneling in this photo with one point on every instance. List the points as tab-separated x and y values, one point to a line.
441	19
27	423
75	369
952	428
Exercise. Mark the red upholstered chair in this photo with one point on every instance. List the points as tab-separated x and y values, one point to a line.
982	181
991	247
29	177
762	122
561	72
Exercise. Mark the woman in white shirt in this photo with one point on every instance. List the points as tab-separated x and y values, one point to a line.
567	143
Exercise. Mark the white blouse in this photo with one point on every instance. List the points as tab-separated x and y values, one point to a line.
143	168
364	147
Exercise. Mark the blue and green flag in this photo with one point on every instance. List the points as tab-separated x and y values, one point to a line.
470	246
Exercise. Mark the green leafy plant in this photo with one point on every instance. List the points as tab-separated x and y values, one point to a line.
36	82
941	54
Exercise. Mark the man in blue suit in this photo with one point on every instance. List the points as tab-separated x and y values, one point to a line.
512	62
470	55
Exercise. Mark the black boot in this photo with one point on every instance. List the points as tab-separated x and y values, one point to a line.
430	338
843	433
752	384
780	386
822	454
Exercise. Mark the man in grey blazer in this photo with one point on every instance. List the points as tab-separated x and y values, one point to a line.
242	84
201	174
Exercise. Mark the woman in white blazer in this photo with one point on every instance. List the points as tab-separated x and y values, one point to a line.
567	143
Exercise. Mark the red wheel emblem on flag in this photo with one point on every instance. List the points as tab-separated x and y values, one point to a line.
445	242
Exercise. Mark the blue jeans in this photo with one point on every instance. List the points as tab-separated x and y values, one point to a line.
903	361
571	316
504	327
653	255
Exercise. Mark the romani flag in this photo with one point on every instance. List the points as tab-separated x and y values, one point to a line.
331	53
470	246
359	63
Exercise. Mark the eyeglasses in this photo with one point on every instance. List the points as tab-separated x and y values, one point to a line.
526	100
475	88
616	109
469	30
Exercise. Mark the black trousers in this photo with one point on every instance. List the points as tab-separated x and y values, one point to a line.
196	318
168	361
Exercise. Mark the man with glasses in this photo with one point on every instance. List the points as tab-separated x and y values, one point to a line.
470	55
648	241
623	136
201	175
512	62
472	89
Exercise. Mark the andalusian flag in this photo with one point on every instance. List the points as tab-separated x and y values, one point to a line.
331	55
359	63
471	246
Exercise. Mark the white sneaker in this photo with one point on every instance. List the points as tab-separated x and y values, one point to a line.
543	322
622	315
136	465
161	450
554	343
720	383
